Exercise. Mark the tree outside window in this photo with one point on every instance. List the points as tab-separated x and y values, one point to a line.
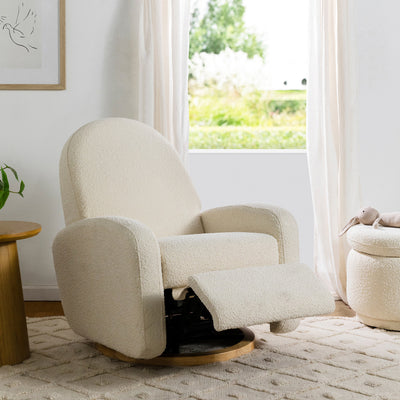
232	103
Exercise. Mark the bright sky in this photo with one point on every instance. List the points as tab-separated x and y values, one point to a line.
284	27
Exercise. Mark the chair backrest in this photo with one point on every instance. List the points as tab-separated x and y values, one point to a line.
121	167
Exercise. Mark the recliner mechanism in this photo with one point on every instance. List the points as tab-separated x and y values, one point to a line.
190	327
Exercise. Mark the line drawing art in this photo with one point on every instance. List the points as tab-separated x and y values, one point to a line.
21	32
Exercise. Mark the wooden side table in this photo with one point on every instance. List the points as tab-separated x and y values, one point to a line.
14	344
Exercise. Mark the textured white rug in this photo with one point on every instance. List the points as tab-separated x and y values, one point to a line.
325	358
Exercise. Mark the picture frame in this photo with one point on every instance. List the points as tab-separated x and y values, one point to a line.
33	56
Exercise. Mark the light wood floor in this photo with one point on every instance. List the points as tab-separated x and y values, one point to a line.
43	308
343	310
53	308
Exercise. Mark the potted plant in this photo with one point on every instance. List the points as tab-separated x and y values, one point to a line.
5	185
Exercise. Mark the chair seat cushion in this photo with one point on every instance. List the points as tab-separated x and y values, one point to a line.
186	255
382	241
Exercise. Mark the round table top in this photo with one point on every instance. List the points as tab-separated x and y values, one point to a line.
16	230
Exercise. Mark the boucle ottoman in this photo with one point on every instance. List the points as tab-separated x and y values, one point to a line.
373	275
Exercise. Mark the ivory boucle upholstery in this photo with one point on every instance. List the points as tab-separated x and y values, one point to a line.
233	305
109	275
382	241
373	275
134	227
121	167
185	255
260	218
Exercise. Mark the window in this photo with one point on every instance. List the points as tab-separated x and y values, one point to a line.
247	74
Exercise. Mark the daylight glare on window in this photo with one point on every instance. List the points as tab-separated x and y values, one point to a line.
248	74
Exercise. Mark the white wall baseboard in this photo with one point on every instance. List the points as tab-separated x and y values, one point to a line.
41	293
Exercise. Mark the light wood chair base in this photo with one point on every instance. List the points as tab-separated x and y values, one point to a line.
190	356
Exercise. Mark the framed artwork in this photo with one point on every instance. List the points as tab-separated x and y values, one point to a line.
32	44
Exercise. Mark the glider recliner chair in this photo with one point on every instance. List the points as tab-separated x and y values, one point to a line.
141	268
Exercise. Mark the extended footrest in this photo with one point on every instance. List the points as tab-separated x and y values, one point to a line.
249	296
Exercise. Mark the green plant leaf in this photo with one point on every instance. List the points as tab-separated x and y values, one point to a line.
21	188
3	197
1	185
13	171
6	185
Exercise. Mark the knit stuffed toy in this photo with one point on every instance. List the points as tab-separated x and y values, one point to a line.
371	216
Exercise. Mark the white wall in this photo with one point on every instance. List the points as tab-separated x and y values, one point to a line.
378	59
278	178
35	125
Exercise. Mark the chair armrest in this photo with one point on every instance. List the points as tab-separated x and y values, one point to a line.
271	220
110	279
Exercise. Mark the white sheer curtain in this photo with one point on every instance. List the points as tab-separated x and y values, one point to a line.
331	136
161	30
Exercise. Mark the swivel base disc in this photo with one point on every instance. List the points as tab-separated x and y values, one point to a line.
223	347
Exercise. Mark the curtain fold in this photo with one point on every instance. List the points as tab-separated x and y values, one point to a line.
160	78
332	136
